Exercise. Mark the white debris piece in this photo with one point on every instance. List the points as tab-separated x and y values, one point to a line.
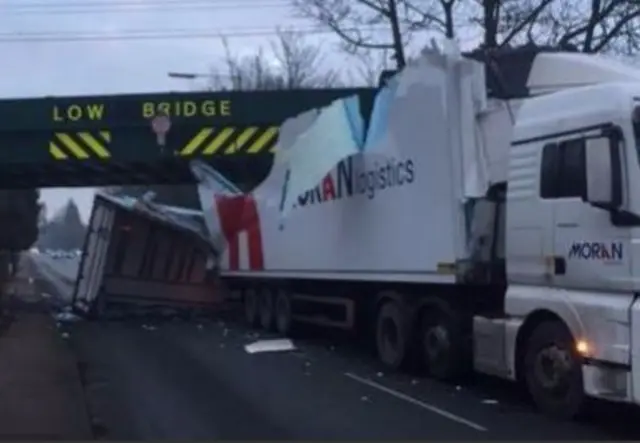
277	345
65	335
489	401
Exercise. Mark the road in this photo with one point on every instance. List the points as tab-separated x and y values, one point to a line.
186	380
59	274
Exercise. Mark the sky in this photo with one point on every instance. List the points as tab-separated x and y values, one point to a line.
37	69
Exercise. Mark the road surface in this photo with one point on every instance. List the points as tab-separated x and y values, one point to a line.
149	379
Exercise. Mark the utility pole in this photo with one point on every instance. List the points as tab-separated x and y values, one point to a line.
398	48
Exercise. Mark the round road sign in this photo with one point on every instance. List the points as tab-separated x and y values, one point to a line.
161	125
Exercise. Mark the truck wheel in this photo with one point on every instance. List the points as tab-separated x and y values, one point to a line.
284	314
442	345
553	371
267	311
250	303
391	342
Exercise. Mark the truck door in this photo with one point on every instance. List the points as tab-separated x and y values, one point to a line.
588	248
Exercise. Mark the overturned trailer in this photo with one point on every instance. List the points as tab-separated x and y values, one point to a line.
138	254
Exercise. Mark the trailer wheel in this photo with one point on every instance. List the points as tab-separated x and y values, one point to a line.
250	302
553	371
442	345
284	313
391	342
267	311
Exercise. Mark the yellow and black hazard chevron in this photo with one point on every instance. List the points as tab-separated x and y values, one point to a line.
232	141
80	145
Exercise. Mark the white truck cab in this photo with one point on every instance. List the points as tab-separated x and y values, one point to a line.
572	227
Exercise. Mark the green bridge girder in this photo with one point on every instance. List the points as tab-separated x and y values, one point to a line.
110	140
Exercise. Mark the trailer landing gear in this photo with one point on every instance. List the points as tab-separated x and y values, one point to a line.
284	314
266	307
250	302
553	373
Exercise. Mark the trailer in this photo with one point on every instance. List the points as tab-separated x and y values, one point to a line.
493	226
139	256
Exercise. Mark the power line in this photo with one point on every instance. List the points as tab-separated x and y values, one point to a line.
131	6
73	37
73	4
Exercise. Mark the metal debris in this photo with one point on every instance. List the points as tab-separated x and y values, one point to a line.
380	374
63	317
65	335
277	345
489	401
364	398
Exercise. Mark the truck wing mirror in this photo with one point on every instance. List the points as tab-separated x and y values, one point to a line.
603	167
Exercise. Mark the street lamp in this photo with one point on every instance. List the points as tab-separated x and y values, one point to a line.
191	76
187	75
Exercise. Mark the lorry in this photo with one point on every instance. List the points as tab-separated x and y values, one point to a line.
496	231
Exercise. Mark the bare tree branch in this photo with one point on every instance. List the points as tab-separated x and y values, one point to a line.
291	63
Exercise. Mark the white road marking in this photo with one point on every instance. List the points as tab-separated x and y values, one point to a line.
416	402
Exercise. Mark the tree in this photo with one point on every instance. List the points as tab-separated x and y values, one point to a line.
65	231
19	210
291	63
592	26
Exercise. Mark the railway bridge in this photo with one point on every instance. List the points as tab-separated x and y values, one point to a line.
146	138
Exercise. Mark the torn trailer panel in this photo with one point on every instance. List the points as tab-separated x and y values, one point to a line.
140	254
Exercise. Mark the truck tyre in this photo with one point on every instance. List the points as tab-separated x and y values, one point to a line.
250	303
553	371
284	314
442	345
267	311
391	337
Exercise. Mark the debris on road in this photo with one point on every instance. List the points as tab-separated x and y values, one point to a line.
149	327
489	401
277	345
66	317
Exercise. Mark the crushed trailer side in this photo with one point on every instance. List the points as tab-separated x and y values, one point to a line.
131	261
